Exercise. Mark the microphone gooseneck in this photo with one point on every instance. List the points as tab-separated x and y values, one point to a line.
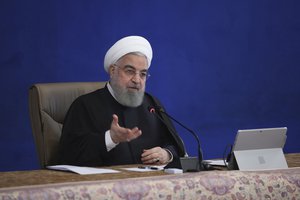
161	110
151	109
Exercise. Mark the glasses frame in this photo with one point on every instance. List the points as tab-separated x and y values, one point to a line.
131	72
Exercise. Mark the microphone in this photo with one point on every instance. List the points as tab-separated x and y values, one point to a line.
200	154
151	109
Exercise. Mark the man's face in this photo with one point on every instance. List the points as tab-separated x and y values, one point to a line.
128	79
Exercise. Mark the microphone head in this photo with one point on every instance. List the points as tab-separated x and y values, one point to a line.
151	109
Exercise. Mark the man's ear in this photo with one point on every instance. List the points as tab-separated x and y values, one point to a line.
111	70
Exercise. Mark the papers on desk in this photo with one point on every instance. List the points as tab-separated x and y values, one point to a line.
145	168
215	162
82	170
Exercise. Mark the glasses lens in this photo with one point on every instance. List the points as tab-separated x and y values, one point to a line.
132	72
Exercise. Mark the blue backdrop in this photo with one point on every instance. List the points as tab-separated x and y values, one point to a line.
218	66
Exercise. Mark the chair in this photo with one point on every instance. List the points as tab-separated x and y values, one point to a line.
48	105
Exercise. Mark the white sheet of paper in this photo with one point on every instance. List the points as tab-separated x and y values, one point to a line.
145	168
216	162
82	170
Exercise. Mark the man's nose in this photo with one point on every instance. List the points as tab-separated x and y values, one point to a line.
136	77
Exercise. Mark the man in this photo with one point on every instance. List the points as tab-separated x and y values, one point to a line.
113	125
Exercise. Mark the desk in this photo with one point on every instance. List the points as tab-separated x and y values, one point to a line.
47	184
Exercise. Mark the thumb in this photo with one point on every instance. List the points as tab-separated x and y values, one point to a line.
115	120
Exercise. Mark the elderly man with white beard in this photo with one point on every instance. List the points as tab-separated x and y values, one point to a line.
113	125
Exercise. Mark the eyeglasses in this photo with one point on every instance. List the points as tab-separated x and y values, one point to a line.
131	72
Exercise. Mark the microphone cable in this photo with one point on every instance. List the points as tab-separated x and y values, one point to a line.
200	154
226	157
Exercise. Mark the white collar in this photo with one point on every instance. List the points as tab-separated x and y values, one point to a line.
111	91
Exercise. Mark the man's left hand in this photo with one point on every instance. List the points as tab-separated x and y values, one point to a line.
155	156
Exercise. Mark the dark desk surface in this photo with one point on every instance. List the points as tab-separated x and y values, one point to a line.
293	159
37	177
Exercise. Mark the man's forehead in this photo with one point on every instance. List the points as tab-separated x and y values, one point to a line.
135	61
128	66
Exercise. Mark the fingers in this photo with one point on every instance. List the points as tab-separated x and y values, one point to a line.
153	156
132	134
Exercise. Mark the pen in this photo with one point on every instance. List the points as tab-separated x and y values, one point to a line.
147	167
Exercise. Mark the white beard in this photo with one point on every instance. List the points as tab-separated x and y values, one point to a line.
127	98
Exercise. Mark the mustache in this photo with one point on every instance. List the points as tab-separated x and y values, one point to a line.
137	87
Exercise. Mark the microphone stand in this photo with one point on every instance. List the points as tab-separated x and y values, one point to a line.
200	154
